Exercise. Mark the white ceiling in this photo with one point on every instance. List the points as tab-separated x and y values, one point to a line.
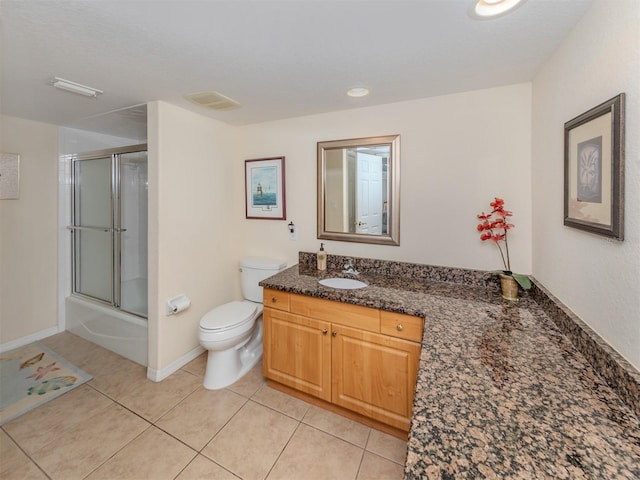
278	59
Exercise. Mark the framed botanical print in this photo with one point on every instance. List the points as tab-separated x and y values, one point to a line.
594	170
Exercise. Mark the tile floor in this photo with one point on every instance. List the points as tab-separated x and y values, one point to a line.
122	426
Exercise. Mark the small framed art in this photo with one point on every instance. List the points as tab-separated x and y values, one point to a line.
594	170
265	189
9	176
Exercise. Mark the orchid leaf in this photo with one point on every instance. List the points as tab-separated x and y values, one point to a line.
522	280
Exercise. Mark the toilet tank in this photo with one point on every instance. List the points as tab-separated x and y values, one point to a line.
255	269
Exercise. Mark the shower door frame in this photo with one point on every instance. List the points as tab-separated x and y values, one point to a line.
115	228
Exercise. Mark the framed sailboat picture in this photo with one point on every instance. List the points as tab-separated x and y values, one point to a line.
265	189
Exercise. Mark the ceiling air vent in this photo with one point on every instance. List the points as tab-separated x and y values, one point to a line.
212	100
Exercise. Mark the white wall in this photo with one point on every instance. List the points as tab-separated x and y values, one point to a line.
596	277
192	242
28	233
457	153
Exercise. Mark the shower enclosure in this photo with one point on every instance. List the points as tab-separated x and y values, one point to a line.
108	303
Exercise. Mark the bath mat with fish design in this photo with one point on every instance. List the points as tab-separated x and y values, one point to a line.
32	375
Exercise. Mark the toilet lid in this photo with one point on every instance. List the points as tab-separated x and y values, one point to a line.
229	315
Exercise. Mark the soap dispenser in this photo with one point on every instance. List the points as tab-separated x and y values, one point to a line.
322	258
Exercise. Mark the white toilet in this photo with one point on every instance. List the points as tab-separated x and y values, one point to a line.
232	333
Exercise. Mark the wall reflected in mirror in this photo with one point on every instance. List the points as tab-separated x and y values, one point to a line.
358	190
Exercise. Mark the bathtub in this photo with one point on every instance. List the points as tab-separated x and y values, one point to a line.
120	332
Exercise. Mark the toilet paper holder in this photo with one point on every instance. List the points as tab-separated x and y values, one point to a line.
178	304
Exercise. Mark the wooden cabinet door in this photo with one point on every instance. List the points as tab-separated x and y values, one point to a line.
374	375
297	352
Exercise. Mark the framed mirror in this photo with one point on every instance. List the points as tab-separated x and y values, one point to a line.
359	190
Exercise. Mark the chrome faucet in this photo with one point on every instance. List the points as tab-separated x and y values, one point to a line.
350	267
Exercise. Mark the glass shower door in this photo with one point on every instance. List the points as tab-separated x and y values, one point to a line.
109	225
93	229
133	237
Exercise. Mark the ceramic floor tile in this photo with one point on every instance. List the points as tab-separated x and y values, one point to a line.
201	468
153	399
113	374
80	450
201	415
197	366
281	402
250	443
374	467
25	471
72	347
337	425
40	426
154	455
85	432
387	446
12	457
315	455
250	383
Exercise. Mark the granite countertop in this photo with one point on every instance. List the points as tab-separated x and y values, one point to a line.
501	392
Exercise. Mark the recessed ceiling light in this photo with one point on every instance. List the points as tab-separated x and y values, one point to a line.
358	92
485	9
73	87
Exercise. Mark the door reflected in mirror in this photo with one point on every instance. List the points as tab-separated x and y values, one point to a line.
358	190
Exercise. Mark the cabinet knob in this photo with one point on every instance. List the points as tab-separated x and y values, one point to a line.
399	327
334	333
324	331
274	299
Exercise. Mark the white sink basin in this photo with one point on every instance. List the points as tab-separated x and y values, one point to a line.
342	283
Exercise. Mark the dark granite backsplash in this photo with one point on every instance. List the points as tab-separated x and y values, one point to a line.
619	374
616	371
416	271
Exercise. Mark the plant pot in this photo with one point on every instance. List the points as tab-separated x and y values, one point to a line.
509	287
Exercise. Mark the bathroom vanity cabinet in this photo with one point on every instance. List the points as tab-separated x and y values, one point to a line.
486	365
359	358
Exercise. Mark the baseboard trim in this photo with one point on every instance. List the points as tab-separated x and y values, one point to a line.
34	337
159	375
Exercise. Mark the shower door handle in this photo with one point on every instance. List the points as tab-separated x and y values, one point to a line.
101	229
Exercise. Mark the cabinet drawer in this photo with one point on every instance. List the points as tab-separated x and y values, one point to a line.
355	316
275	299
401	325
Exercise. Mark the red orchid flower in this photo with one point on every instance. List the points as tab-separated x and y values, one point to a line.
494	227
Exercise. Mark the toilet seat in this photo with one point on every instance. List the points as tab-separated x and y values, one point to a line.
229	316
